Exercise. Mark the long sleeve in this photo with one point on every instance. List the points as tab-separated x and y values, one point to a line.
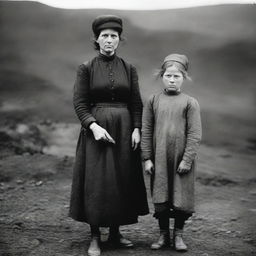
135	102
194	131
81	97
147	130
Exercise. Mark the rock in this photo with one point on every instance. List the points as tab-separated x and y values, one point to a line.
19	181
35	242
47	122
199	217
26	242
16	228
2	219
252	210
22	128
10	187
234	219
26	154
195	229
205	254
244	199
252	192
18	223
39	183
222	230
248	240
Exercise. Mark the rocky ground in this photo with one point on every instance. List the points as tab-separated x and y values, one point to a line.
35	177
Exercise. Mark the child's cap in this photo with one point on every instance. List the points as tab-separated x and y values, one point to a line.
179	58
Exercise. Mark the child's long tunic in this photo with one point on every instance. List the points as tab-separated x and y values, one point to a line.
171	132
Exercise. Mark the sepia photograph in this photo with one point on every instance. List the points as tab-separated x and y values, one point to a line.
127	128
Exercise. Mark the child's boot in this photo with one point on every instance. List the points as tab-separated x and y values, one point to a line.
178	242
164	238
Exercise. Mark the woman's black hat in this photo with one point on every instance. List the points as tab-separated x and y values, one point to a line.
105	22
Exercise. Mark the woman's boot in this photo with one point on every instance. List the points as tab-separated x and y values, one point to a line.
94	247
115	238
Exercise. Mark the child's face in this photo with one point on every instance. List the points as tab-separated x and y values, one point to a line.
172	79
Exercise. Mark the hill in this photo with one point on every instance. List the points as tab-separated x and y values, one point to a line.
41	48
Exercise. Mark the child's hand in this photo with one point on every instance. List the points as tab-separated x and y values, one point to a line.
149	167
183	168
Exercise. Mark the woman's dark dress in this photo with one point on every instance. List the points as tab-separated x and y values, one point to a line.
108	186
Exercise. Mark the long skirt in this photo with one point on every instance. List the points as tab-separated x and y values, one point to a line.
108	186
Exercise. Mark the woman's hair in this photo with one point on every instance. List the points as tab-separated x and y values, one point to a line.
96	45
160	72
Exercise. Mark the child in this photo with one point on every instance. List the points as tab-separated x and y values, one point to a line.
171	134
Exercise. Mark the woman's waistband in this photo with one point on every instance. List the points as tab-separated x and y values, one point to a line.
109	104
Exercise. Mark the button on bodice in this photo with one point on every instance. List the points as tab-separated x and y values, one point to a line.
109	80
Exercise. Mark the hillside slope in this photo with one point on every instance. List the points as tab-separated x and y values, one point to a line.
41	48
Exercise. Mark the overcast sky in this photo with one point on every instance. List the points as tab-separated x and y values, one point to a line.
138	4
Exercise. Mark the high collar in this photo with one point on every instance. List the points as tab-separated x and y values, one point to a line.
171	92
106	57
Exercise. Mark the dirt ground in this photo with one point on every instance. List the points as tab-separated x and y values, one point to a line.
35	181
41	48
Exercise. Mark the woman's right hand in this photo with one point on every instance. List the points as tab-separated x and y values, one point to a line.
100	133
149	167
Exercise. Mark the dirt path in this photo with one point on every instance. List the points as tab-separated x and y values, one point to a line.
34	201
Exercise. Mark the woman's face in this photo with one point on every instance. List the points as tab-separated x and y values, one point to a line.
108	41
172	79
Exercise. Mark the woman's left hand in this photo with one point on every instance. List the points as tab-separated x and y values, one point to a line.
135	138
183	168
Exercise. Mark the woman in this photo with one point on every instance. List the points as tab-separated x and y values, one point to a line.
108	188
171	134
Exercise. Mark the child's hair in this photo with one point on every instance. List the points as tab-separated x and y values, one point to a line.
176	60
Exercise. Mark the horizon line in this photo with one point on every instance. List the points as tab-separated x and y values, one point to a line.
141	5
